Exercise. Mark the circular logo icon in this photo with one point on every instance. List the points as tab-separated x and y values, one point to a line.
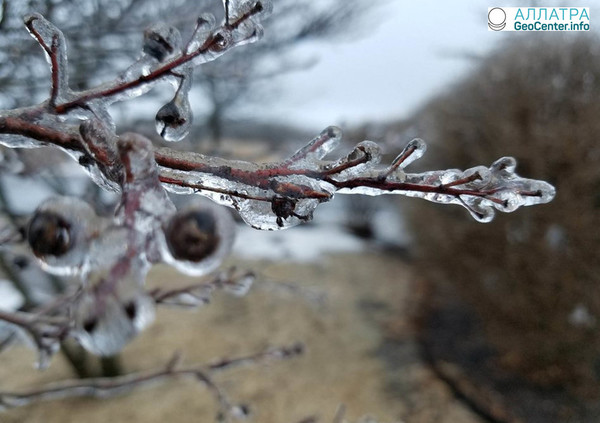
497	19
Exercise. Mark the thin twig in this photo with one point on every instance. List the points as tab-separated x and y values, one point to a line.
198	294
107	387
212	43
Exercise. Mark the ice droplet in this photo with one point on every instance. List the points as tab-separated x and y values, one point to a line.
114	306
482	176
247	33
256	9
174	119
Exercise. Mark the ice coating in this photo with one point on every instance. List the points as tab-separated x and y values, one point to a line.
162	56
54	45
249	30
106	324
223	227
112	256
414	150
60	233
204	25
258	9
327	141
161	41
281	195
240	287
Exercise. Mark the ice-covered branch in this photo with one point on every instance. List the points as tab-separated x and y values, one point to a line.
47	326
284	194
163	56
112	256
271	196
280	195
197	295
44	332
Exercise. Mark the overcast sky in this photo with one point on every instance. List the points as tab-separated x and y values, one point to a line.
409	51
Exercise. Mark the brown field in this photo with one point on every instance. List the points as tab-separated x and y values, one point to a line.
344	309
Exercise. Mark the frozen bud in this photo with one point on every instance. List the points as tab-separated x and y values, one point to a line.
59	234
174	119
106	327
192	235
198	238
114	307
50	234
221	41
161	40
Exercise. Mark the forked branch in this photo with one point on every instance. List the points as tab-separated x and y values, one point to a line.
107	387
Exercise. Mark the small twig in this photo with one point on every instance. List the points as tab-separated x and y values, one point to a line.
212	44
107	387
227	13
46	332
55	70
397	162
474	177
199	294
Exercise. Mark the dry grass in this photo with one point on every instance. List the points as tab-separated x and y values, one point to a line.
348	358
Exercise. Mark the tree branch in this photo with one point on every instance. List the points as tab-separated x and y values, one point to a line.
107	387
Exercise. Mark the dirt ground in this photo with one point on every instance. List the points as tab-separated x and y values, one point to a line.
344	309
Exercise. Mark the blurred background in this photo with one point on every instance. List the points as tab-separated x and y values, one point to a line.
410	311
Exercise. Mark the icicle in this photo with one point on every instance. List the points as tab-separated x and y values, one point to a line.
174	119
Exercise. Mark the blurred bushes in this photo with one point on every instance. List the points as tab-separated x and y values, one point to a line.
533	276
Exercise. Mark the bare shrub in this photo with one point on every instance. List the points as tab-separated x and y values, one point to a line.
534	279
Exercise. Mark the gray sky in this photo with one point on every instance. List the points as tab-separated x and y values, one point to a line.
413	50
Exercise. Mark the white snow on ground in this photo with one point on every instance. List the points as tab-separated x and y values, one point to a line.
299	244
325	235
